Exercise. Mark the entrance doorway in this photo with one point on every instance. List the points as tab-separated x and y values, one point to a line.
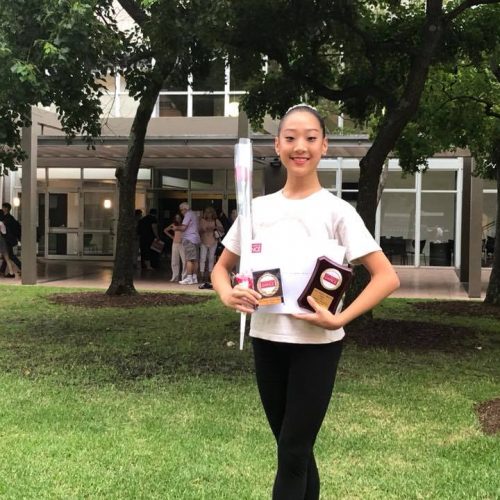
73	224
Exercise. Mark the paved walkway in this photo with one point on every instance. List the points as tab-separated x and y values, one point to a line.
426	282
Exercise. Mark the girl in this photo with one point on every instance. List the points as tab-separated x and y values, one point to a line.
211	230
296	356
177	249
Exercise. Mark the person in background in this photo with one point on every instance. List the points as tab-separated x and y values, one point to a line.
12	235
233	216
137	218
178	273
4	252
190	242
211	230
147	228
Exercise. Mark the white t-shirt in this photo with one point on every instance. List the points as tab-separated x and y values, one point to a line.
320	215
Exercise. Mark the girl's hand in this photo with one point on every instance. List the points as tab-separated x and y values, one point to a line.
321	316
241	299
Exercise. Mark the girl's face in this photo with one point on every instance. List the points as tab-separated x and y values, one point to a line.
178	218
300	143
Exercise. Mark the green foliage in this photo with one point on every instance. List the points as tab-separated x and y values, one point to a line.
57	53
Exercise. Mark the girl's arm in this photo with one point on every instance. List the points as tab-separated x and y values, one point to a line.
383	282
239	298
168	231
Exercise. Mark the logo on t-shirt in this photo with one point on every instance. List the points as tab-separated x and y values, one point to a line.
256	247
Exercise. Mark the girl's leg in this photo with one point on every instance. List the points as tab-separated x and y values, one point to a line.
310	385
203	257
295	410
271	371
174	262
211	257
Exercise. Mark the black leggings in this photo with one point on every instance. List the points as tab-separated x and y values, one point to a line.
295	384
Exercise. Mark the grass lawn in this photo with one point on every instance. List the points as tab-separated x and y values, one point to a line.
152	403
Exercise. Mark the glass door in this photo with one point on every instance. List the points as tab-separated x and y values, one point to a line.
62	213
99	224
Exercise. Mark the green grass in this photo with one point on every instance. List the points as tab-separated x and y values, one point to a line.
151	403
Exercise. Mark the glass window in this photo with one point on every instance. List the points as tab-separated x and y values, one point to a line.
236	83
327	178
214	80
432	180
234	106
98	210
40	174
174	178
98	243
63	243
397	227
128	106
99	173
64	210
489	214
64	173
395	180
208	180
437	226
108	104
208	105
173	105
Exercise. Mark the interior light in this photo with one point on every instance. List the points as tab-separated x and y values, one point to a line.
16	201
107	204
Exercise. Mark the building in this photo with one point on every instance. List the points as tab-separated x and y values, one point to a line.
422	220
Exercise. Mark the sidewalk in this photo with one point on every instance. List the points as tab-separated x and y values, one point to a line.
425	282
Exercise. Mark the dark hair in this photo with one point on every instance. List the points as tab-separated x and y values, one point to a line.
309	109
7	205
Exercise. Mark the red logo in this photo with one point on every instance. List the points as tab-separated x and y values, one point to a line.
256	247
331	279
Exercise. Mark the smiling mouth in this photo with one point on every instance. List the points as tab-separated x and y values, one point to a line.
300	159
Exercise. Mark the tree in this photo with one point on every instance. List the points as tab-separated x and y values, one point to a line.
461	108
173	40
373	57
53	53
59	53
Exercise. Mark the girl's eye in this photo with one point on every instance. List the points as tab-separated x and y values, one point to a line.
311	139
289	138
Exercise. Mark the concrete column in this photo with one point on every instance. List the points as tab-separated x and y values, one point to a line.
466	203
475	235
29	206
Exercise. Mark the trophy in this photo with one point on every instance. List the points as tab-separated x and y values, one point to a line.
327	285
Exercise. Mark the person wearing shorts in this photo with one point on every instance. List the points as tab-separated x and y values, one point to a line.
190	243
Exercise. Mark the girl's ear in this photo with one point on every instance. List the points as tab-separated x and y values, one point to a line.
277	145
324	146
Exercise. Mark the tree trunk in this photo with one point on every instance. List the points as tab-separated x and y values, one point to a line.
122	282
493	291
391	128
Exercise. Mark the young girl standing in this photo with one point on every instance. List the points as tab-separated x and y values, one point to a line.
296	356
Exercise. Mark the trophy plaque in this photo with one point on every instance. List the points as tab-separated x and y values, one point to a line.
327	285
268	284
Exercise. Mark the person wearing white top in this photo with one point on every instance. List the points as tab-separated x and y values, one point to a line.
4	252
296	356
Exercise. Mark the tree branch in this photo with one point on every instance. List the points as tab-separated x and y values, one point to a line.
467	4
135	11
